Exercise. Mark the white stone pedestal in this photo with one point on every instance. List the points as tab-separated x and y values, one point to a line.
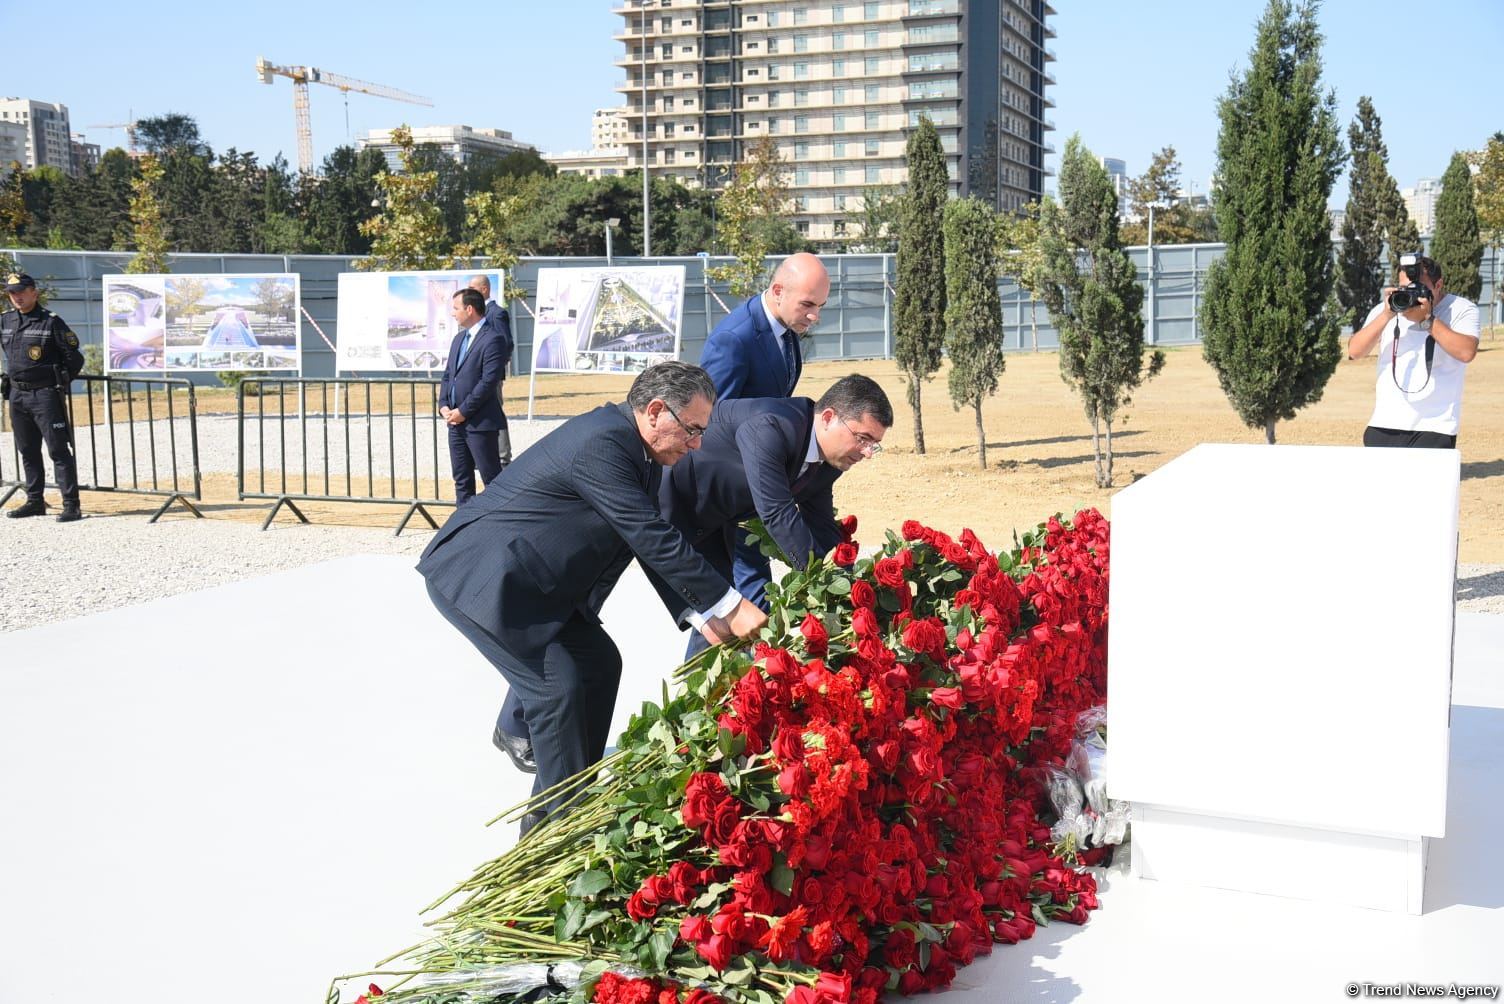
1280	656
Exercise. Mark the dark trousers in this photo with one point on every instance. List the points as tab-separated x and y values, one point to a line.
568	706
41	416
1375	436
470	450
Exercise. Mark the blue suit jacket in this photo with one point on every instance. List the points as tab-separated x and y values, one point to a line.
477	381
551	537
744	360
747	466
498	318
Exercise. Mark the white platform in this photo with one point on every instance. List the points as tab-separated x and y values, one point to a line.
1280	684
234	796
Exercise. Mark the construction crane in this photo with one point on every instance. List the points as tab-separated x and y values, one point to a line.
129	127
302	76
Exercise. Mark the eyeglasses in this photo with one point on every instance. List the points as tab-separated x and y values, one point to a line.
690	431
869	446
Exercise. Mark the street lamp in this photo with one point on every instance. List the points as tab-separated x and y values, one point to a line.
614	221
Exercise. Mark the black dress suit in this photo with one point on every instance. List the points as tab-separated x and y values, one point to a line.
473	385
752	464
523	570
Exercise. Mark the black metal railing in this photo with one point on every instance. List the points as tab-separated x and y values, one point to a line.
342	440
130	436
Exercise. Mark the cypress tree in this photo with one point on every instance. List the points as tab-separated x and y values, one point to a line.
919	297
1091	288
1269	318
973	309
1375	213
1456	245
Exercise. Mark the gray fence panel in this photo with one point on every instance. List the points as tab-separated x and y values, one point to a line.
856	322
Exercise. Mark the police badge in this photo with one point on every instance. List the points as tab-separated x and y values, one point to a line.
33	352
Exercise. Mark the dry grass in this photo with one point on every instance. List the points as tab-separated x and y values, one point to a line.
1039	453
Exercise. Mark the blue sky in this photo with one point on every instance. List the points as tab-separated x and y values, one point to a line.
1131	78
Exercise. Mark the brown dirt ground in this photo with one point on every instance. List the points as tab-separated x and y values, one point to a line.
1039	453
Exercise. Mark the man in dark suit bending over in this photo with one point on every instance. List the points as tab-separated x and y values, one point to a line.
777	459
523	570
470	396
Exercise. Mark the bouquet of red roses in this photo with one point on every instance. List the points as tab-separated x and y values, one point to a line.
842	810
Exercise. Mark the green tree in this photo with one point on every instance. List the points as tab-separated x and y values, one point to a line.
340	198
15	218
879	221
1456	245
1091	287
148	229
409	233
1375	213
161	134
1159	188
751	224
1021	251
919	297
973	311
488	219
1488	201
185	297
1269	318
191	200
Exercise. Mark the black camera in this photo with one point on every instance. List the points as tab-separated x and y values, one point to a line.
1402	299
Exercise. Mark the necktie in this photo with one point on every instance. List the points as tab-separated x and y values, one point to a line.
791	359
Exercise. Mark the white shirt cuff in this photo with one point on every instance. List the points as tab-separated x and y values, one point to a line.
723	606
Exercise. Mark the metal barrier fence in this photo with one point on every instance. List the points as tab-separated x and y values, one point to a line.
123	447
342	440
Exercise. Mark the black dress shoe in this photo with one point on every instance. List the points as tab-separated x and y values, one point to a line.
69	514
517	749
31	507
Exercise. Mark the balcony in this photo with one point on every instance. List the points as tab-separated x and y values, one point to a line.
932	8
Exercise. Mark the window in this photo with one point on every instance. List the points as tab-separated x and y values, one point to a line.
840	225
874	174
802	226
801	71
801	15
667	52
801	123
838	95
933	89
772	45
869	38
801	176
838	13
838	68
838	122
838	40
871	93
668	102
687	49
801	149
869	148
870	119
801	43
869	10
871	65
772	98
926	61
840	204
838	148
687	155
838	176
666	25
773	16
801	96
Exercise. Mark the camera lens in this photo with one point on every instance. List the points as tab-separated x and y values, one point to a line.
1401	300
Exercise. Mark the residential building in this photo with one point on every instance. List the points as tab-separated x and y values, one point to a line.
838	85
608	129
85	155
48	138
590	163
1117	173
12	146
461	142
1420	203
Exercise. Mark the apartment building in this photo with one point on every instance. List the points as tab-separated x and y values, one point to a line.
47	135
839	85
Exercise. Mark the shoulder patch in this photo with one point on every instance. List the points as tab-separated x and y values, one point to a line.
70	338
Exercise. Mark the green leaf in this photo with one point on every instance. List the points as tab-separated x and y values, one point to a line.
839	586
1039	917
590	883
571	920
781	878
662	943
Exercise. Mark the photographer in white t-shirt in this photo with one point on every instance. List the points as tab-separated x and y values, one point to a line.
1426	337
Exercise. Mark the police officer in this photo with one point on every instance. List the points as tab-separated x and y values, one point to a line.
41	360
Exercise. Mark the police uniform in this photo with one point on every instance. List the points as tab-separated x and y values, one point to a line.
41	359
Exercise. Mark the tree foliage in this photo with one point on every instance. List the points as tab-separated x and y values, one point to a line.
919	297
1021	254
162	134
148	229
758	194
1176	220
1456	245
409	233
1269	319
973	311
1091	287
1375	214
1488	199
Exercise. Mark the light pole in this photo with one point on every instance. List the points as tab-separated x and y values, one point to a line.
647	240
614	221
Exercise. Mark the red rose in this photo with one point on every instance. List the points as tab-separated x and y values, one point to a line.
889	572
900	951
844	555
848	527
701	795
694	929
816	638
946	697
912	529
684	877
834	987
862	594
794	780
864	623
723	822
639	908
716	951
926	636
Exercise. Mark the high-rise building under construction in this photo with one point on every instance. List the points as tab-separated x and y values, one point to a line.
838	85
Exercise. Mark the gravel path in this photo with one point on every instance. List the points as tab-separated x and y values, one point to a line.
54	573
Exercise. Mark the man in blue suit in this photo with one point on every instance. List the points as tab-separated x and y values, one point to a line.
496	314
754	352
523	570
777	459
470	396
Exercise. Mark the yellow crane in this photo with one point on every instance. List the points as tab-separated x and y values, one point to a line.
302	76
129	127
